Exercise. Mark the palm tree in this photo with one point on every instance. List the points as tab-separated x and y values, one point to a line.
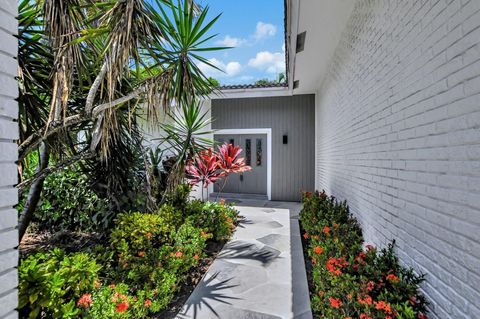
87	64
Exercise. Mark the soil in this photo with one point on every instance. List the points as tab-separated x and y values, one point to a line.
38	241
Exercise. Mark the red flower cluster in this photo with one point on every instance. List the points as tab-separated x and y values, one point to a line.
85	301
335	302
122	306
335	265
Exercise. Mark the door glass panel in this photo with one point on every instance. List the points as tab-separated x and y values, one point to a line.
248	151
259	152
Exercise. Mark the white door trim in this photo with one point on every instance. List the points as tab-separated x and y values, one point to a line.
267	131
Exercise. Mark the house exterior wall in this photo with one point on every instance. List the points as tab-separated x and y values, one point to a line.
8	156
292	163
398	136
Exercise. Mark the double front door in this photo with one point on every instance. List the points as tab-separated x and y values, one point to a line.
254	150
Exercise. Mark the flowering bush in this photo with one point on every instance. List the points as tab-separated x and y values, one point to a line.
50	283
147	258
216	219
350	282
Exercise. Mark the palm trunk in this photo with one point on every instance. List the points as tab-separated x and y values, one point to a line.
34	194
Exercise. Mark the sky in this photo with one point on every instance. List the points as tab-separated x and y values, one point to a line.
256	29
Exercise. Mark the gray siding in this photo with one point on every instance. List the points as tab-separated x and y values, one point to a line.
8	156
398	122
293	163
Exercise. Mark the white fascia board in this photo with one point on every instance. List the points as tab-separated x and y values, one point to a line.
250	93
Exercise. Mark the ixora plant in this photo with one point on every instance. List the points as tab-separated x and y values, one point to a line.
350	282
209	166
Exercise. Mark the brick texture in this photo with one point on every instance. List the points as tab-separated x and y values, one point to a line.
398	136
8	156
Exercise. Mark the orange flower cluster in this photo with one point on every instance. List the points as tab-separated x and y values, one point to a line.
393	279
382	305
367	300
335	302
318	250
335	265
85	301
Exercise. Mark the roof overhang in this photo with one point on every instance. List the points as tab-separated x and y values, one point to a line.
250	93
324	22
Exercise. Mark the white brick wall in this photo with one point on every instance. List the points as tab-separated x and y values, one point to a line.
8	156
398	136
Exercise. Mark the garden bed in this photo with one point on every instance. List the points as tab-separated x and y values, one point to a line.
346	280
146	267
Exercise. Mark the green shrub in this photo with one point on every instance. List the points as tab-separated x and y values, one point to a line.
68	202
217	219
51	282
149	256
351	282
143	264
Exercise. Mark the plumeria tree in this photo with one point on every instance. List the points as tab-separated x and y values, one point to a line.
209	166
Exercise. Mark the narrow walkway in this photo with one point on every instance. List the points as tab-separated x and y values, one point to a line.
260	273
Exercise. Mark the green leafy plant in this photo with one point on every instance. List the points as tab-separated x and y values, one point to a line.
51	282
217	219
68	202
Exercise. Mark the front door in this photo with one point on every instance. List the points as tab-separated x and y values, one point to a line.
254	150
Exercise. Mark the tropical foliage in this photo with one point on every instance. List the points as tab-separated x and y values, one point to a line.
209	166
349	282
136	274
87	68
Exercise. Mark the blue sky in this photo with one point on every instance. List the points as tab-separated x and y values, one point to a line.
255	28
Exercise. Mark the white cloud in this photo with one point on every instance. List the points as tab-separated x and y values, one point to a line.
233	68
230	69
229	41
272	62
264	30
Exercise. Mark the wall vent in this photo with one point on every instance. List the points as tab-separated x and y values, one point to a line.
301	41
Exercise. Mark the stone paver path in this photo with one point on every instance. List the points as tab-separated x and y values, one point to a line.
260	273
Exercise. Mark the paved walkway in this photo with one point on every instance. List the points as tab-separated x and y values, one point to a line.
260	273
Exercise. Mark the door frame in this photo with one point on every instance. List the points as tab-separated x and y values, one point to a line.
268	132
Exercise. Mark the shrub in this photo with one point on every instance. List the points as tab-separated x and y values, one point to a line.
149	257
217	219
51	282
351	282
69	203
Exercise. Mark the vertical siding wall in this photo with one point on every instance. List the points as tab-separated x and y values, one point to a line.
293	163
398	136
8	156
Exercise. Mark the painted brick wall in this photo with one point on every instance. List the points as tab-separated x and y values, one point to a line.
398	136
8	156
